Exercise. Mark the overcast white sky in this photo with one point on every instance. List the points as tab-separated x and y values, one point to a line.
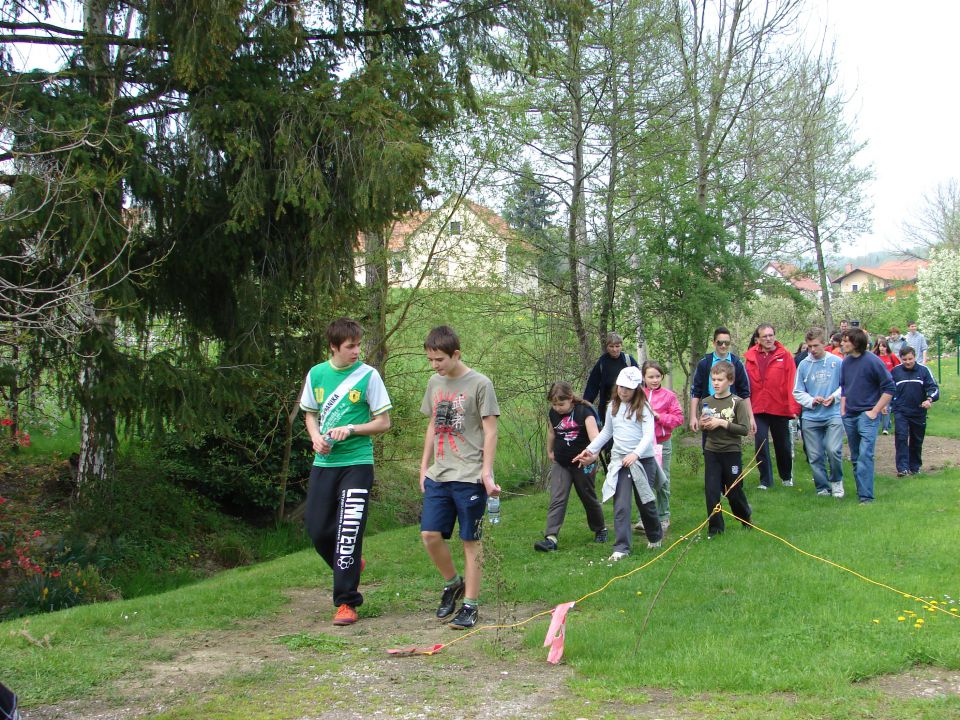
899	62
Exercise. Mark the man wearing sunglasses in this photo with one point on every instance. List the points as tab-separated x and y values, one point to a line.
703	388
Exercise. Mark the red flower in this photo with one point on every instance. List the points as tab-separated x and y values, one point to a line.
37	533
6	422
55	574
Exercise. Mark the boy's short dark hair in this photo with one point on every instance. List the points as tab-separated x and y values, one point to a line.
723	368
343	329
613	339
858	338
816	333
907	350
442	338
721	331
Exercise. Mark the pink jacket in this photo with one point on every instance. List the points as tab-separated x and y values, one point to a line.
667	407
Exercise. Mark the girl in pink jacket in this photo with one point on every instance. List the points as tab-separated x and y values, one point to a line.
667	416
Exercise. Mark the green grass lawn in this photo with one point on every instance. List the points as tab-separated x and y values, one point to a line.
944	416
740	621
741	614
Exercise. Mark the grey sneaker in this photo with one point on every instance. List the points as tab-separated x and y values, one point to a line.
448	601
654	545
788	483
823	493
466	618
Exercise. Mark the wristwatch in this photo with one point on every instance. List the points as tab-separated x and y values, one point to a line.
351	428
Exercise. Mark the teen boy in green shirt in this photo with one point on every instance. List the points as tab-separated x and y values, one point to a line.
345	402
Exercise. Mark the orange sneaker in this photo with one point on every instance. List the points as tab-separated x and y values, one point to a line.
346	615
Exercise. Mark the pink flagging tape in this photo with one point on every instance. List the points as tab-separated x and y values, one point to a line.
556	632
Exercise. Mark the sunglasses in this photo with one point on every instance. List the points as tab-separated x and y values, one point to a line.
722	343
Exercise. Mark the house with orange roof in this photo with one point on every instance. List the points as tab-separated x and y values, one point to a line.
460	244
893	277
791	274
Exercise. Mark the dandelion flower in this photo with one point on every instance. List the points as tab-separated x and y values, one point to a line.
901	618
876	621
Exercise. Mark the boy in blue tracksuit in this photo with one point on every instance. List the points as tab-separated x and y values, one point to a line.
817	390
916	392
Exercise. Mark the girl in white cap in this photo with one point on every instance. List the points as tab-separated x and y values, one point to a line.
630	423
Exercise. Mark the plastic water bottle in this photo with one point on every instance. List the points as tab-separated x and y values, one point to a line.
493	510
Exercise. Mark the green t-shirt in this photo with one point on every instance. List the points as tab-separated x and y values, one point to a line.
345	396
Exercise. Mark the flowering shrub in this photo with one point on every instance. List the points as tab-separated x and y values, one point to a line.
20	438
31	577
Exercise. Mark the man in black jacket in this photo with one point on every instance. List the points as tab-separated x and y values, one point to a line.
701	386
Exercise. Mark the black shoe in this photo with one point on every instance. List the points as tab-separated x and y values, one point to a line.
448	601
466	618
545	545
601	536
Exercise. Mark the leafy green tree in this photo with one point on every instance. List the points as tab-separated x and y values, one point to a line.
939	289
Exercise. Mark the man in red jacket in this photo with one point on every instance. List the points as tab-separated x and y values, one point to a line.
772	375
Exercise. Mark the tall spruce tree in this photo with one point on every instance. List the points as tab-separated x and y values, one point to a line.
232	152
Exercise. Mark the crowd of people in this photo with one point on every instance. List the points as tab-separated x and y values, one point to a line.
622	423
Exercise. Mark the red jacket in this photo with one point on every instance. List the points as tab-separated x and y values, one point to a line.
773	394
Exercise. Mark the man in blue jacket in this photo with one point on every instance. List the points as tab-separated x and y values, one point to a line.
817	389
865	390
702	387
916	392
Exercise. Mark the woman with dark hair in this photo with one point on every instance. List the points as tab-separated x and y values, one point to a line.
890	360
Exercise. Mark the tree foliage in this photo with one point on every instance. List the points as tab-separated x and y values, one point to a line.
939	289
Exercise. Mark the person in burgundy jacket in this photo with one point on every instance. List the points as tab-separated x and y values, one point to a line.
772	376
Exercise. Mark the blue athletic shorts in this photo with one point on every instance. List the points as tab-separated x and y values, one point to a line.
446	502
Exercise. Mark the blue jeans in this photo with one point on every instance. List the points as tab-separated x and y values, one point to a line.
862	437
823	440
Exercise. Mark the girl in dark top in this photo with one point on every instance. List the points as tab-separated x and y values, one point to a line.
573	424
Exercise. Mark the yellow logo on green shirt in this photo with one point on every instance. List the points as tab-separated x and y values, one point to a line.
318	394
354	396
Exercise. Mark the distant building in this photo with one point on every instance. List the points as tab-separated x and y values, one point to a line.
792	274
893	277
460	244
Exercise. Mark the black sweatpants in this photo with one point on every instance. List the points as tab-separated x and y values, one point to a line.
720	471
778	427
338	502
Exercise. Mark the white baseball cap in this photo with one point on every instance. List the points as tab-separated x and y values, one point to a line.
630	377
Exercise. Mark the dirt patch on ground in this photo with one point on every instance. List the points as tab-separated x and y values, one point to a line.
918	682
504	681
938	452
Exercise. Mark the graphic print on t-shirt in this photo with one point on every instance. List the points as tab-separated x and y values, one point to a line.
567	429
448	420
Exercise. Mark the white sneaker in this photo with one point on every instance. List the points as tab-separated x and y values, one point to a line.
788	483
617	556
837	489
665	525
823	493
638	527
654	545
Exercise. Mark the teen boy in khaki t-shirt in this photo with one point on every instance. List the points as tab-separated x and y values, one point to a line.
461	441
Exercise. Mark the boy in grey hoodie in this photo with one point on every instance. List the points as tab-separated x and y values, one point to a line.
817	389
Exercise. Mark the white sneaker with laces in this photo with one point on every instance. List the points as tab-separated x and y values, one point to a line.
617	556
654	545
788	483
837	489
